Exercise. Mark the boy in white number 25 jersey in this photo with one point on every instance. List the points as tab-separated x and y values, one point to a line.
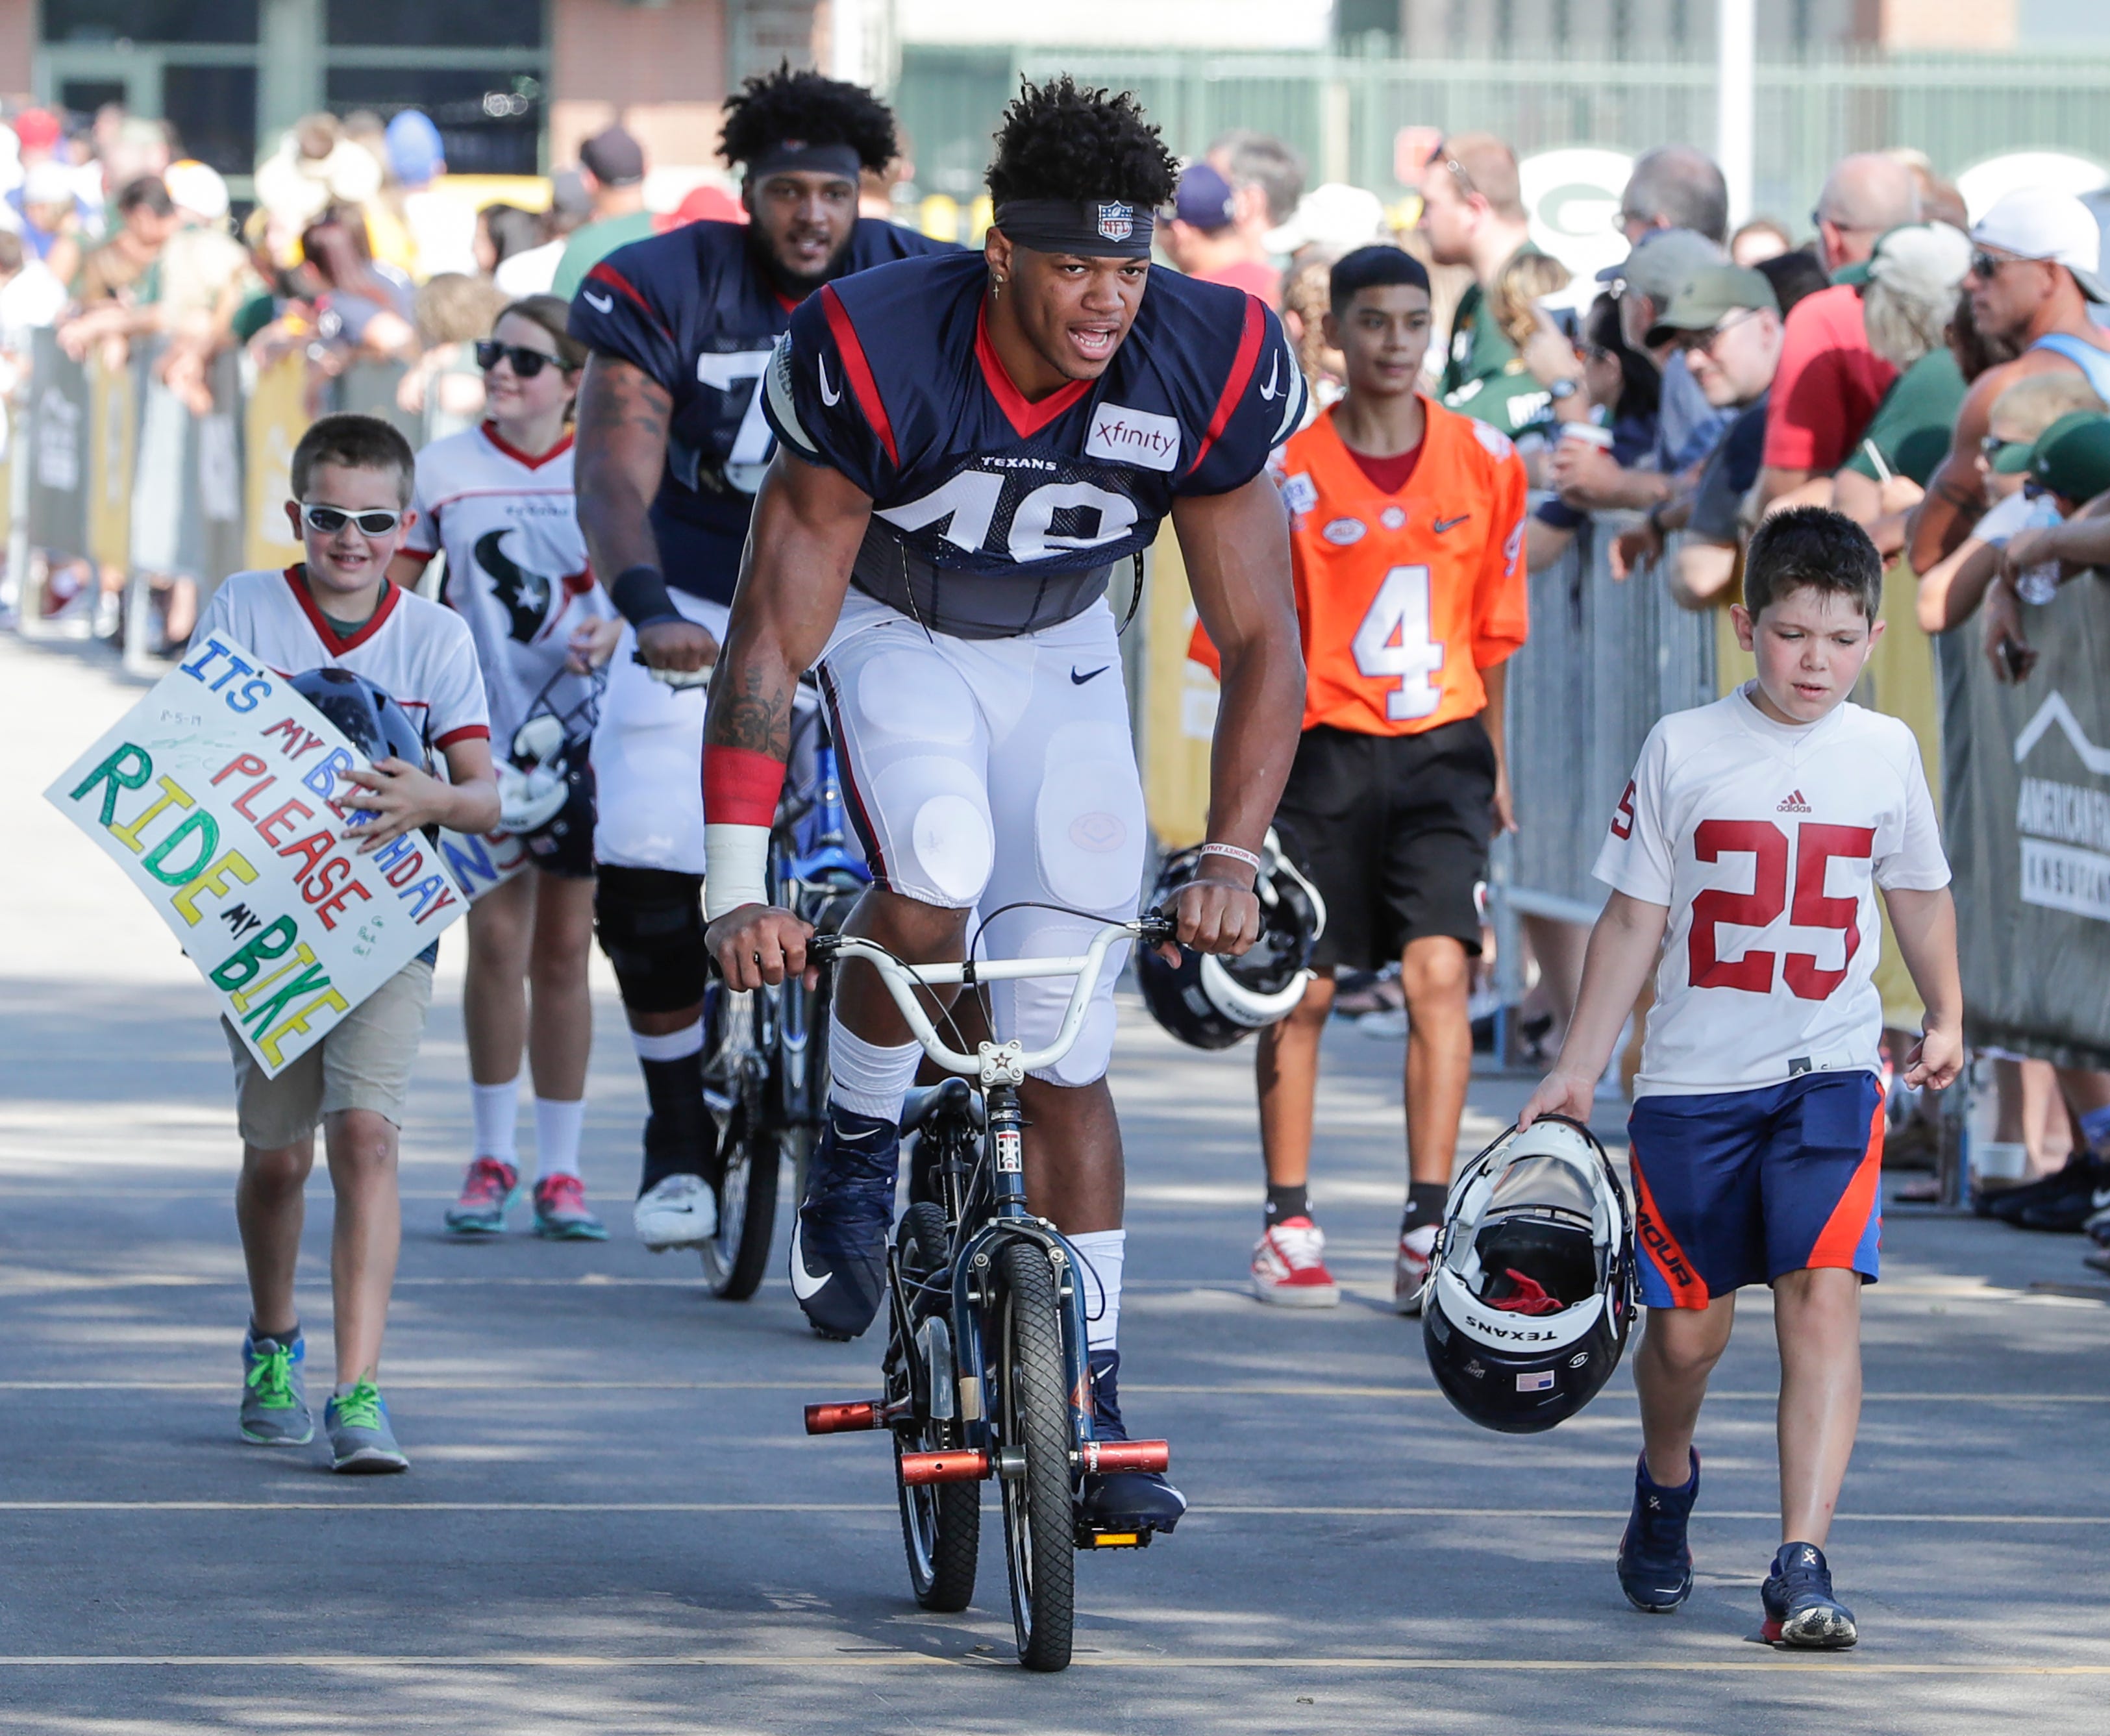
1744	857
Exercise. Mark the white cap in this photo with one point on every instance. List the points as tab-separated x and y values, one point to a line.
2043	222
1335	217
47	183
1923	261
198	188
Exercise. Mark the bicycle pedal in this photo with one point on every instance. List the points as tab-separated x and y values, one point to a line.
839	1419
1090	1537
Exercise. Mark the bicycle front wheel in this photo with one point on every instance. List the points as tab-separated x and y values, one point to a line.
940	1522
750	1149
1034	1406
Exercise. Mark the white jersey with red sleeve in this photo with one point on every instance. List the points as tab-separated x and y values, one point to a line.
416	652
517	567
1767	842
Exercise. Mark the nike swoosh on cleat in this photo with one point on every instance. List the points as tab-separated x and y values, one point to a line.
1078	680
1441	525
827	397
599	304
805	1285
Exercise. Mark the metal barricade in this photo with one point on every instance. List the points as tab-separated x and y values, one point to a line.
1606	659
55	503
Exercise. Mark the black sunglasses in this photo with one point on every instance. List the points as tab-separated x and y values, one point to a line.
327	521
1987	265
526	363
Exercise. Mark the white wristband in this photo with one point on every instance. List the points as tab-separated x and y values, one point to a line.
737	868
1234	852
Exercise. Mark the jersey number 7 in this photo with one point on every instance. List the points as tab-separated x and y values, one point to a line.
1815	848
1394	641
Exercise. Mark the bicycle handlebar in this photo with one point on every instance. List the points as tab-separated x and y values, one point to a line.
678	679
902	982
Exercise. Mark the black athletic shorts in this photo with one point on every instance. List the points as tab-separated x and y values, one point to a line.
1394	831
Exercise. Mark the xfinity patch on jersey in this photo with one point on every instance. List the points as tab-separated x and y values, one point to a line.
221	795
1134	437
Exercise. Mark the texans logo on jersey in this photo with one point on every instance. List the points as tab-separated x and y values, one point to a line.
524	595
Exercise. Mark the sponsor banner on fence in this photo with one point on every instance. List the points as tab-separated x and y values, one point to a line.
221	795
2026	821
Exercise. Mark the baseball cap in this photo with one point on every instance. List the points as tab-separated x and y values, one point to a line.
1662	262
568	194
1204	199
415	154
37	129
47	183
1921	261
615	158
197	186
1335	218
2043	222
2072	458
1714	292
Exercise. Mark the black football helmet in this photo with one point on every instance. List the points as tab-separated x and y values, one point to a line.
1531	1287
364	715
1211	1003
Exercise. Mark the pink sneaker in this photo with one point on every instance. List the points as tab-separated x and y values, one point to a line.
487	1191
1289	1267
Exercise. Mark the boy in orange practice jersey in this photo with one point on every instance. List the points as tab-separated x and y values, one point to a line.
1407	541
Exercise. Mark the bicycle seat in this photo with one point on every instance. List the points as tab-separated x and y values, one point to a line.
948	1095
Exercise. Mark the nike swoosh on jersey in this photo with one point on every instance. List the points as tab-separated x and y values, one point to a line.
1274	373
599	304
805	1285
1441	525
1077	680
827	397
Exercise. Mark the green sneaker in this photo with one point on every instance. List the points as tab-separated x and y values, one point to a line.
275	1393
360	1437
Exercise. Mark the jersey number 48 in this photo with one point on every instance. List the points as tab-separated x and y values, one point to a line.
1394	641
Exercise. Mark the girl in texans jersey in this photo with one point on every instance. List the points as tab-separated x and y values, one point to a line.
497	500
1406	536
1744	860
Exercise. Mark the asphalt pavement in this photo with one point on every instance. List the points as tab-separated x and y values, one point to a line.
614	1522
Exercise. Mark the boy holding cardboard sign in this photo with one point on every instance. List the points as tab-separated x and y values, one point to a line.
352	477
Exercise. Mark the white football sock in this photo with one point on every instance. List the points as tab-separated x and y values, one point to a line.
869	1079
1103	1251
557	1125
495	1108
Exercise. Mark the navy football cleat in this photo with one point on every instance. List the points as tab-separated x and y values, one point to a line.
1800	1610
1116	1500
838	1239
1656	1563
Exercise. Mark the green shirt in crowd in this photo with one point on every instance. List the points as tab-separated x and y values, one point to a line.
1913	424
589	246
1479	348
1511	399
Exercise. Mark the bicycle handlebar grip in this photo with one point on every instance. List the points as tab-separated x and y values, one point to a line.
961	1466
1156	927
821	945
1098	1456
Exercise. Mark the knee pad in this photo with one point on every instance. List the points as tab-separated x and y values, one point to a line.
650	923
1030	1008
1088	824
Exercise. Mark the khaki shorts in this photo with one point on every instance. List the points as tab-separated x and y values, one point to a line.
363	1063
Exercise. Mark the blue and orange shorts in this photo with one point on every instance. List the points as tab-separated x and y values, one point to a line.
1738	1187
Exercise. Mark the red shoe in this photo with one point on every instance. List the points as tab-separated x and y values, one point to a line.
1289	1267
487	1191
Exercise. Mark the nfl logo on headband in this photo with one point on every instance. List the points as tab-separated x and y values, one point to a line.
1116	222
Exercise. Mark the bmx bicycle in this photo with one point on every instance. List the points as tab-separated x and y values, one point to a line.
765	1050
987	1371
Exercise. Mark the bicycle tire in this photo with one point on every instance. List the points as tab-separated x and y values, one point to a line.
751	1155
941	1523
1034	1404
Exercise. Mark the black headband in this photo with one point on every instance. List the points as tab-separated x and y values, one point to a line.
794	155
1093	229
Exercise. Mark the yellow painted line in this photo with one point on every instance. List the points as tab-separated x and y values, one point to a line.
862	1659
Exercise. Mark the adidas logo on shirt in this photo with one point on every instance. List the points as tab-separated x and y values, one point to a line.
1794	804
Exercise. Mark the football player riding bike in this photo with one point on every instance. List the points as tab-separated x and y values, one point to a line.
968	445
672	443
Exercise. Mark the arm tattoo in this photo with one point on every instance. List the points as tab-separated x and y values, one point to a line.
623	396
747	708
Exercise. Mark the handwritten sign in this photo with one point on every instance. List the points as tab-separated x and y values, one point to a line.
479	864
222	795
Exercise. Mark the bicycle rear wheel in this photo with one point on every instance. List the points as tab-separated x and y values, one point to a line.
940	1522
751	1150
1034	1406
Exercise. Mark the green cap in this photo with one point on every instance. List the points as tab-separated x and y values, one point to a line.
2012	457
2072	458
1714	292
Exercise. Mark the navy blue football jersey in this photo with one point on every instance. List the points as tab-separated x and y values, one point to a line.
992	515
691	309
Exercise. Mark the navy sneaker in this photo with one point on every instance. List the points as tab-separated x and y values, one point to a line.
1122	1500
838	1239
1800	1610
1656	1562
